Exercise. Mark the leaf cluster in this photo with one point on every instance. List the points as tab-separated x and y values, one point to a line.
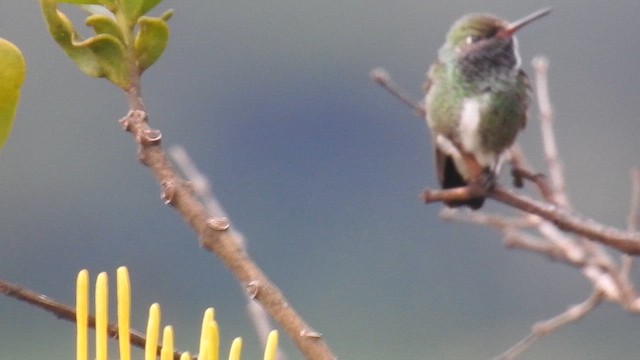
116	43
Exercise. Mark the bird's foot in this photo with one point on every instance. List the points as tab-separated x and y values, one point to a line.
520	174
485	181
539	179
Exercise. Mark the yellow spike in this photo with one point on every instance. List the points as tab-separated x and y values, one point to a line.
208	317
204	355
82	314
124	312
153	329
167	343
272	346
185	356
102	306
214	341
236	349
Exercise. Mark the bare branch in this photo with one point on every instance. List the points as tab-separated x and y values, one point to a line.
626	242
497	221
219	239
202	188
456	194
68	313
554	165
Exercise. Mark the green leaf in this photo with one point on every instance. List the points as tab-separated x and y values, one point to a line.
62	31
12	71
147	5
99	9
104	24
131	9
150	41
110	55
134	9
102	55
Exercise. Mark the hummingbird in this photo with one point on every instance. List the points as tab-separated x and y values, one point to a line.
476	100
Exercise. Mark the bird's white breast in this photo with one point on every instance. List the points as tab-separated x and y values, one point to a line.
469	130
469	124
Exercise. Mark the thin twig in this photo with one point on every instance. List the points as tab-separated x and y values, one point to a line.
68	313
524	241
540	329
554	165
634	207
202	188
381	77
201	184
627	262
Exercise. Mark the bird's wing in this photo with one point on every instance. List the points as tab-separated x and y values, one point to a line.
440	157
524	95
432	69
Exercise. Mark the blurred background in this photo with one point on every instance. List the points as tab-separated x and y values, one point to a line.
320	169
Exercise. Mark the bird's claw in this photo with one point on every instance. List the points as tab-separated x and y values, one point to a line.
486	180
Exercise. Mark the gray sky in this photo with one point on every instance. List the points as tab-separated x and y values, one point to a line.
320	170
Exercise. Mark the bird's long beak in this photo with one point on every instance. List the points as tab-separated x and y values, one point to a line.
519	24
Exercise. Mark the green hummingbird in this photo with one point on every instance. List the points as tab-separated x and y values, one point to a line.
476	100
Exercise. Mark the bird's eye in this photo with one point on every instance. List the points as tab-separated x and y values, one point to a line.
471	39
